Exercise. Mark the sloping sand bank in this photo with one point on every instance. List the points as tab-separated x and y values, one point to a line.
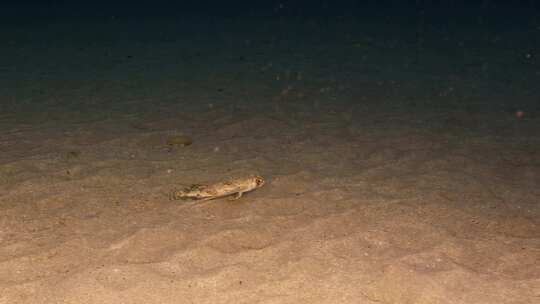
349	214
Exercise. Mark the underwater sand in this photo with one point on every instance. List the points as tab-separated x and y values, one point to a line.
396	172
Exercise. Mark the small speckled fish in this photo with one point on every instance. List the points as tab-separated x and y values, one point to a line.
234	186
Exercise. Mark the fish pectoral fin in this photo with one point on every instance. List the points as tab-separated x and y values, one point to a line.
236	196
204	199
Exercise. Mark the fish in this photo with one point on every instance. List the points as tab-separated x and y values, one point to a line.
233	187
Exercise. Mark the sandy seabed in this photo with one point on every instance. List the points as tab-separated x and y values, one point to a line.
374	193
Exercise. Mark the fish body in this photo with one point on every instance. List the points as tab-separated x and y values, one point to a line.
234	186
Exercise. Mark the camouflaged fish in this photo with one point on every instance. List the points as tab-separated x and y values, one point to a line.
234	186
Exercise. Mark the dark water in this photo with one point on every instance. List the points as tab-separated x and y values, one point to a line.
102	59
